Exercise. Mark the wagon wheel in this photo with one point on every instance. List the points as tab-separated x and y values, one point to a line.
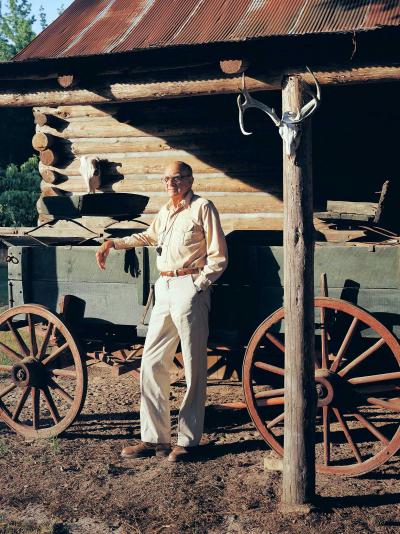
43	379
357	381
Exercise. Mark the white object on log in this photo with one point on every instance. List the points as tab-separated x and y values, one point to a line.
90	171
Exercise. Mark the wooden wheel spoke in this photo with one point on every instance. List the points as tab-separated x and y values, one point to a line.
35	405
6	368
345	344
7	390
326	434
371	427
21	403
51	405
362	357
270	393
55	354
32	336
270	368
278	419
275	341
11	353
272	401
368	379
60	391
394	406
324	340
66	373
21	343
271	397
346	432
45	342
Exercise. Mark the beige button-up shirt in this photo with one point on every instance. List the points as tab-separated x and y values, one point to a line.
190	236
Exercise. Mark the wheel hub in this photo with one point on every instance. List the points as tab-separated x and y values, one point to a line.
28	372
324	386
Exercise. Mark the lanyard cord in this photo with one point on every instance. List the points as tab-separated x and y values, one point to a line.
167	231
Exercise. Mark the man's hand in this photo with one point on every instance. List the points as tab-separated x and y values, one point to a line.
102	253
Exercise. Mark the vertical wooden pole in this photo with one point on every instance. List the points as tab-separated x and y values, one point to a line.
300	398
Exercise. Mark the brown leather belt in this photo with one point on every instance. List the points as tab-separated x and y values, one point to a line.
179	272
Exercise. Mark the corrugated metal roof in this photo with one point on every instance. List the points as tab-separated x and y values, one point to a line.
93	27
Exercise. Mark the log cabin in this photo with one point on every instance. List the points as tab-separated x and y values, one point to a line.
108	79
141	84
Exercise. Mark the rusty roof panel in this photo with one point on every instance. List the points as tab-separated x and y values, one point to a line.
93	27
383	13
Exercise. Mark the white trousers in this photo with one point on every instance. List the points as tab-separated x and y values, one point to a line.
179	313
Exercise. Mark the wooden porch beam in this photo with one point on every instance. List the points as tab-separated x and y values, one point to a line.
112	91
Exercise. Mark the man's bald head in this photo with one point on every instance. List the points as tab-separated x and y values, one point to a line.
178	167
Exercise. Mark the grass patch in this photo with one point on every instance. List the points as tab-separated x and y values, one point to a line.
54	444
4	448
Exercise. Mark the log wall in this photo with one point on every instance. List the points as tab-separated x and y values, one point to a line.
241	175
353	155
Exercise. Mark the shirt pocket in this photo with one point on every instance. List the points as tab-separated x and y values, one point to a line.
189	232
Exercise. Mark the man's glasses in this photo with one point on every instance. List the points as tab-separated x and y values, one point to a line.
176	179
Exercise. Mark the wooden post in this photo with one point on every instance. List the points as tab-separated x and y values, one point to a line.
300	398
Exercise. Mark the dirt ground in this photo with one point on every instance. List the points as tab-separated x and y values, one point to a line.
78	483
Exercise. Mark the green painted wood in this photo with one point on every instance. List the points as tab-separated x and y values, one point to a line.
249	291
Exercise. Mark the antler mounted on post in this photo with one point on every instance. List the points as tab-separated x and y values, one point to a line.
288	124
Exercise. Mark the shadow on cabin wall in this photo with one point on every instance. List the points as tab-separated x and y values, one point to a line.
354	139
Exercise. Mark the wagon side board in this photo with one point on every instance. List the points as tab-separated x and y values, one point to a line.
250	289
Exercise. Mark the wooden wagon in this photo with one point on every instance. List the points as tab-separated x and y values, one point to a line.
66	314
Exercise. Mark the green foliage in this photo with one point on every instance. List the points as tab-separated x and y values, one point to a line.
16	28
42	18
19	191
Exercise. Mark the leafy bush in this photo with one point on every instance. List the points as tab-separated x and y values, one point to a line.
19	191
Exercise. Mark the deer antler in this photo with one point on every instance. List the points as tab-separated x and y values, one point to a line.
250	102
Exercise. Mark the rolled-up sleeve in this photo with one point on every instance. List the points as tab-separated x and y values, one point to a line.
143	239
217	250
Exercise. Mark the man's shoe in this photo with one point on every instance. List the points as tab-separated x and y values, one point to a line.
183	454
144	449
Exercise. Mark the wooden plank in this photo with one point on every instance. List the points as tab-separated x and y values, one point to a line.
139	183
225	203
142	163
70	112
360	208
109	128
197	142
300	406
230	223
110	90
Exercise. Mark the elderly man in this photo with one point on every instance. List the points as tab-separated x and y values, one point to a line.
192	254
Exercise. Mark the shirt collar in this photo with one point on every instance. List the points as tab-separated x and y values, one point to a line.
184	203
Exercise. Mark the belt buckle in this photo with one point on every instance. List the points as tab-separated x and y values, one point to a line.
175	271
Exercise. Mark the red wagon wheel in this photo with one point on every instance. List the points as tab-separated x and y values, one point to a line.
357	380
43	379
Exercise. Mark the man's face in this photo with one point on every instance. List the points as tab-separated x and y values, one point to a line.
177	182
